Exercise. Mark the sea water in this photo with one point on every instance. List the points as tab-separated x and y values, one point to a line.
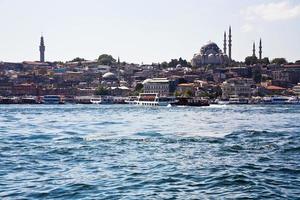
131	152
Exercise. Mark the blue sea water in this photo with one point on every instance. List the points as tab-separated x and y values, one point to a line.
130	152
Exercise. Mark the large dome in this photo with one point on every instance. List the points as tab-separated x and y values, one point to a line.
210	53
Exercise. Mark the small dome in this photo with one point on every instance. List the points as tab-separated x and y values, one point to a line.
109	75
146	81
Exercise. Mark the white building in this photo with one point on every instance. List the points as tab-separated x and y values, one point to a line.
296	89
160	86
241	87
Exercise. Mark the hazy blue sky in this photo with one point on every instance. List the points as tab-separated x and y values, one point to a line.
146	30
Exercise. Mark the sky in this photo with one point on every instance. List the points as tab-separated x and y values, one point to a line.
146	31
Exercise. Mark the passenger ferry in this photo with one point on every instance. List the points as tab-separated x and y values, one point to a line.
102	100
280	100
153	99
53	99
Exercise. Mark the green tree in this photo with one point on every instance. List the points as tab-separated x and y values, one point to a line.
250	60
164	65
279	61
101	91
265	61
256	75
106	59
77	59
139	87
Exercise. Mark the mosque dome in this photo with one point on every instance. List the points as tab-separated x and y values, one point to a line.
146	81
110	76
210	53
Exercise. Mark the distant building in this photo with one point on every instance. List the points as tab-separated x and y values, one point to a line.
157	85
296	89
237	87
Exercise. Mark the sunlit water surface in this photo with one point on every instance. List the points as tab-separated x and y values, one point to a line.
130	152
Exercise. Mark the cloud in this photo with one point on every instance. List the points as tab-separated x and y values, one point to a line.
247	27
272	11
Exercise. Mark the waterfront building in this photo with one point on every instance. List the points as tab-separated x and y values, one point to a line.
160	86
42	50
241	87
296	89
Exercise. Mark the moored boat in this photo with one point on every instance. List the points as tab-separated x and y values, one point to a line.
153	99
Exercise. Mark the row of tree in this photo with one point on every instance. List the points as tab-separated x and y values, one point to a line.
250	60
106	59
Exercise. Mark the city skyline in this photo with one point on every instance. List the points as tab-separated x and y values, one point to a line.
140	31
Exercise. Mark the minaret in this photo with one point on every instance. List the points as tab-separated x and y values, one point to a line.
42	50
260	50
229	44
225	44
253	50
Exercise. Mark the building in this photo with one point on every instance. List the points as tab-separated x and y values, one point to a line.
296	89
241	87
210	54
160	86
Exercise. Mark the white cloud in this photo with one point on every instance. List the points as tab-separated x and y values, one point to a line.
272	11
247	27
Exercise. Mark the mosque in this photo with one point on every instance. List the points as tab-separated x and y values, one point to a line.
212	54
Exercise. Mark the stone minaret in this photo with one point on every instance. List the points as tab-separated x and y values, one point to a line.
225	43
229	44
253	50
42	50
260	49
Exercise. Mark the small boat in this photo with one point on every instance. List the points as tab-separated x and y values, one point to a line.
8	100
28	100
102	100
191	101
238	100
95	100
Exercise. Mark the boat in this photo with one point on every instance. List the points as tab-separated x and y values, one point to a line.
238	100
222	101
53	99
8	100
191	101
28	100
95	100
102	100
131	100
153	99
281	100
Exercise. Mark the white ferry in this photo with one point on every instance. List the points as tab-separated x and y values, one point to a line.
102	100
53	99
280	100
153	99
238	100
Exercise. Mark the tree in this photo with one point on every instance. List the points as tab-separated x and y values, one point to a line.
251	60
256	75
106	59
265	61
101	91
164	65
77	59
139	87
279	61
